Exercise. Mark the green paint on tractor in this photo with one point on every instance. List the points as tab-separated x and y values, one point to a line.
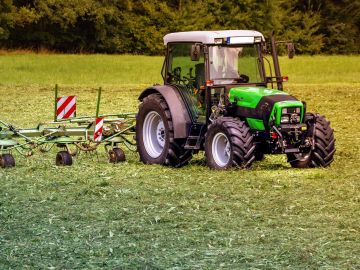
256	124
249	97
276	111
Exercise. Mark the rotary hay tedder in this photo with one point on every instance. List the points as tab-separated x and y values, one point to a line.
70	134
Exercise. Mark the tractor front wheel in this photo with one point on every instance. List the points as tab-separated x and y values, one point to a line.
229	143
155	134
323	141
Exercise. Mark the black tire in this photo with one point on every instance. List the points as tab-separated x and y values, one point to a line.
259	155
238	137
63	158
116	155
7	161
172	152
323	140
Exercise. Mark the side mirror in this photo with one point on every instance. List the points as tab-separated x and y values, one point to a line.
291	50
195	52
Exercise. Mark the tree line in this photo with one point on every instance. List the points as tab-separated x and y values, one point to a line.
138	26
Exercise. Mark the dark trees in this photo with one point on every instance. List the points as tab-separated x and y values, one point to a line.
137	26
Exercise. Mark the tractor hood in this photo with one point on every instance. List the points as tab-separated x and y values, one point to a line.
259	105
251	96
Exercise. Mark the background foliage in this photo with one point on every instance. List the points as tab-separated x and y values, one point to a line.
137	26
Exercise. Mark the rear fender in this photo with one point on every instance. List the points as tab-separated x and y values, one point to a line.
179	113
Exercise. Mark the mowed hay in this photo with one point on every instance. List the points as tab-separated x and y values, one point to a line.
100	215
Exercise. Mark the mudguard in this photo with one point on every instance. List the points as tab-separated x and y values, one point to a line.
180	115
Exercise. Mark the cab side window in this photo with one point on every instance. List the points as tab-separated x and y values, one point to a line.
188	75
182	70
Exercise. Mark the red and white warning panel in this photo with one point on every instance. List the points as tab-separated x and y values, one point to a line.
65	107
99	122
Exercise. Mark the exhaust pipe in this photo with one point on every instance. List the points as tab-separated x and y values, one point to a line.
279	80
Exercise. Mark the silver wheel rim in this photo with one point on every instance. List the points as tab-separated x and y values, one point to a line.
154	134
221	149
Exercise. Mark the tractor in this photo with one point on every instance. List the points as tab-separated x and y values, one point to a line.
217	97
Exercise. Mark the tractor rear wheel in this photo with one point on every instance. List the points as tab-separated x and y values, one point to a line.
155	134
323	140
229	143
7	160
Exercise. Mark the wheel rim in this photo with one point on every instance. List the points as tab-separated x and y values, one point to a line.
221	149
154	134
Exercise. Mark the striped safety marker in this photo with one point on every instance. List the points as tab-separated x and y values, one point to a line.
99	122
65	107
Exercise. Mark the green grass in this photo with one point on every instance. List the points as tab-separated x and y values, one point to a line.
98	215
322	69
79	69
134	70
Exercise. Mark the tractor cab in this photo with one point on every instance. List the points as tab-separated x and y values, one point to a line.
205	65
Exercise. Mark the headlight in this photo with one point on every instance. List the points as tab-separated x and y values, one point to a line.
284	119
290	115
257	39
218	40
291	110
295	118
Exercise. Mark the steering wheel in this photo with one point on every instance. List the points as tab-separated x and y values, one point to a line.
243	79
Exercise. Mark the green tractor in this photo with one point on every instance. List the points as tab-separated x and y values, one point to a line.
215	98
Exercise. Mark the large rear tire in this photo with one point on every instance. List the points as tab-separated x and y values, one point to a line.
155	134
229	143
322	152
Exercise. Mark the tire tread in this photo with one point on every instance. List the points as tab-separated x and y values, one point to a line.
242	141
176	156
323	151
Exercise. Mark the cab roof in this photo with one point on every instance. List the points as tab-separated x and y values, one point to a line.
208	37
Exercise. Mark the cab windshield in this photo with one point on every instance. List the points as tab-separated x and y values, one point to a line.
235	64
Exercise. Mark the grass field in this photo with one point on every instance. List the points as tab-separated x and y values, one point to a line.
131	216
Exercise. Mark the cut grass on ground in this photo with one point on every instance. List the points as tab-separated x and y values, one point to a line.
129	215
